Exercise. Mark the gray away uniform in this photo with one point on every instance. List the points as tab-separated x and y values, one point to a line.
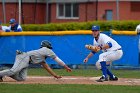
19	69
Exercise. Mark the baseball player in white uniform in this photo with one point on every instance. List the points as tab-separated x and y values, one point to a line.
111	51
138	28
23	59
4	28
14	26
138	31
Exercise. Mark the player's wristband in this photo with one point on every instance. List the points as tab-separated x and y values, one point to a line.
93	52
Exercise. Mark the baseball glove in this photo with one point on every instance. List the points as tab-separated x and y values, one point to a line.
93	48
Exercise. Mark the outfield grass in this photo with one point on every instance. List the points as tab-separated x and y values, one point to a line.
67	88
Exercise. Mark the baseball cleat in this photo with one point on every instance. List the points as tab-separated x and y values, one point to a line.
102	79
1	80
113	79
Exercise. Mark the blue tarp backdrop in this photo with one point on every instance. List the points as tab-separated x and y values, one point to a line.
70	48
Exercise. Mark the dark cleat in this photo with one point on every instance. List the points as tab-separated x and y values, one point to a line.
1	80
113	79
102	79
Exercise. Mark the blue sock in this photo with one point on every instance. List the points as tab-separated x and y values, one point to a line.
109	73
104	69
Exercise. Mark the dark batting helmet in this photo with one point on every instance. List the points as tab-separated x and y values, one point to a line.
12	20
46	43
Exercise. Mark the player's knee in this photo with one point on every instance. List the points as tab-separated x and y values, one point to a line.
98	66
18	77
13	71
21	79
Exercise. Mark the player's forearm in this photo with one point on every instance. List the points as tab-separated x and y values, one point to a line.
66	67
46	66
60	62
89	55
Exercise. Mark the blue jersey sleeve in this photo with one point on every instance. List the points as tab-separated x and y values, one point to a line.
109	44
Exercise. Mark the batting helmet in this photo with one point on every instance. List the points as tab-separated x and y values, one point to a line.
46	43
12	20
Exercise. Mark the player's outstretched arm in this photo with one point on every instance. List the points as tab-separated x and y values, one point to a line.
46	66
67	68
60	62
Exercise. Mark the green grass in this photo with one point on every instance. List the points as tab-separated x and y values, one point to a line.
66	88
73	88
86	72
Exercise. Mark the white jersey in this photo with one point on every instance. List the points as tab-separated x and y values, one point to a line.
138	28
40	55
111	54
5	28
104	39
16	28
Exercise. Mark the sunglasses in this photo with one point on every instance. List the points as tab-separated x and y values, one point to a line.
95	30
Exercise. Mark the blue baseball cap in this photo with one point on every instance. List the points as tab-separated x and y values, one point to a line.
95	28
12	20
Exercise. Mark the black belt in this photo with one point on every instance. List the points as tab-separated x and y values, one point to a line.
118	49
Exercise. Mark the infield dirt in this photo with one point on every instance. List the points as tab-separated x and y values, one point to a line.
71	80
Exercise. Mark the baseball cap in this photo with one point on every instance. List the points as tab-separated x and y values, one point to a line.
12	20
95	28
